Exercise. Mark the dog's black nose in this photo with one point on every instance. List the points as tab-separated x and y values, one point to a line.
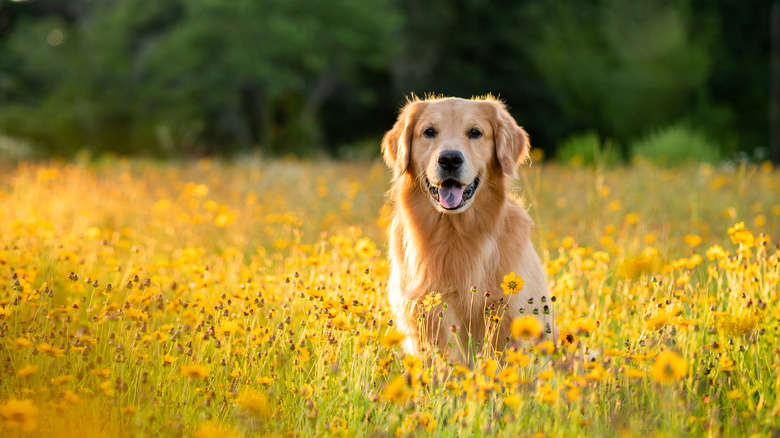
450	160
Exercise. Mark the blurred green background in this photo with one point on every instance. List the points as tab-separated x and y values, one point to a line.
314	77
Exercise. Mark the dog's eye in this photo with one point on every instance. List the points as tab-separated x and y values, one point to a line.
475	133
429	132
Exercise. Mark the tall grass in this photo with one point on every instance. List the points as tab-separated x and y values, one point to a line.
224	299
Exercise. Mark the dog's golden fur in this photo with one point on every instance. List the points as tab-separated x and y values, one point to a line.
435	247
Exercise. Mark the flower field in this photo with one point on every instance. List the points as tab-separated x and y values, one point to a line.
216	299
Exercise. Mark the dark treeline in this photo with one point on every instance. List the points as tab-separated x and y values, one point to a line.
191	77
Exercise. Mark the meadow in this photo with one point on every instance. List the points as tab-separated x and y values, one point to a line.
231	299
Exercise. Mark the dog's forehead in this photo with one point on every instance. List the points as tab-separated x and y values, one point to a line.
455	112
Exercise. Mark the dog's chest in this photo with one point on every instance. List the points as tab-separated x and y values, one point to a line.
452	265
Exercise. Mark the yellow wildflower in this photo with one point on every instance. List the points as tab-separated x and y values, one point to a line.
213	429
20	413
396	390
517	357
340	321
365	248
546	347
254	404
508	375
392	338
512	284
512	401
692	239
633	373
61	379
195	371
26	371
573	393
101	373
526	327
669	367
306	391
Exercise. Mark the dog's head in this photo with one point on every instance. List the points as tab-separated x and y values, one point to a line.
449	146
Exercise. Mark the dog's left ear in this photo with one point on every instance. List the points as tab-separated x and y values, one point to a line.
512	145
397	143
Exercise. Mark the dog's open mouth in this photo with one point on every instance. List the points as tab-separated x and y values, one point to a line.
451	194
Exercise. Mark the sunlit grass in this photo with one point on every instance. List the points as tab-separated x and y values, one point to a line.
215	299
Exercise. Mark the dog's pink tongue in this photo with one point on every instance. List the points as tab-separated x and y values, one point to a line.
450	196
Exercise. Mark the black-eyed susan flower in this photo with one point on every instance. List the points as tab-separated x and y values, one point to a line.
26	371
512	284
20	343
726	364
489	367
546	347
168	359
692	239
195	371
365	248
306	391
107	388
396	390
567	337
227	328
547	394
60	380
596	371
517	357
643	356
392	338
51	350
735	394
526	327
633	373
254	404
512	401
20	413
71	397
101	372
427	421
213	429
584	326
669	367
430	301
340	321
508	376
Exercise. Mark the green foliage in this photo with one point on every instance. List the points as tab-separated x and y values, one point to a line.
676	144
621	67
194	75
588	149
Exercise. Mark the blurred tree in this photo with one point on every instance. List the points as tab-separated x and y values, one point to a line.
739	75
624	67
473	47
184	74
210	76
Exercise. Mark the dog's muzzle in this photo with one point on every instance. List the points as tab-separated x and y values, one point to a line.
452	194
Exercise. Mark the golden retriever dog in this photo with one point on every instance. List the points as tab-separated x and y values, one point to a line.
456	229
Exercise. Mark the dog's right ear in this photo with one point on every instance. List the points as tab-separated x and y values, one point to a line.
397	143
